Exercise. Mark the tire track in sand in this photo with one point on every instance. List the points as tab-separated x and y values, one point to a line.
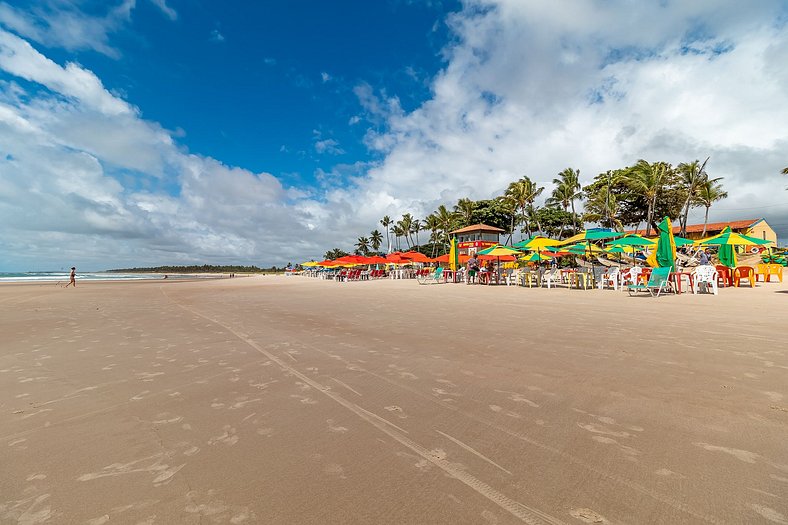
526	514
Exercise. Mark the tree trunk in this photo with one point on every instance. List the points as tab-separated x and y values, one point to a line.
705	221
574	218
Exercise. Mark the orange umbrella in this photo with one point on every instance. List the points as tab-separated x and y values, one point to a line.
416	257
462	259
376	259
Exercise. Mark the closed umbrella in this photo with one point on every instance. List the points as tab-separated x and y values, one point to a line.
665	255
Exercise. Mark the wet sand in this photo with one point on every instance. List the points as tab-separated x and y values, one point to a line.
290	400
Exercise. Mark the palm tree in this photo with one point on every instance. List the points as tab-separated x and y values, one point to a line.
708	193
602	204
570	180
648	179
362	246
416	228
691	176
446	221
464	208
561	196
396	230
406	224
522	194
785	172
386	222
432	223
375	239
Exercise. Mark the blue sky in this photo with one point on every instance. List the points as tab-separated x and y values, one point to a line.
143	132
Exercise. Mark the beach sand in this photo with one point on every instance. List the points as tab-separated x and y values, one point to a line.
290	400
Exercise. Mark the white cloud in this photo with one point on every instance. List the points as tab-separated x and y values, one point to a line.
167	10
325	77
216	36
529	88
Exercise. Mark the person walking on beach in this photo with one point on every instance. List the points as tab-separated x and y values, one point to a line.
72	278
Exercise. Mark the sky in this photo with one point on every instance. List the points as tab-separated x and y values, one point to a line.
161	132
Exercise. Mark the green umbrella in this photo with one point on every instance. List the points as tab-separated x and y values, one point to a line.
726	240
666	245
631	240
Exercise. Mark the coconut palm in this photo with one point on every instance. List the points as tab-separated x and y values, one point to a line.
708	193
570	179
432	223
691	176
521	194
386	222
446	221
561	196
464	209
397	232
362	246
406	225
375	239
648	179
416	228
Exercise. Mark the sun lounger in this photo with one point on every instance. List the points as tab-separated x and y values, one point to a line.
658	280
435	277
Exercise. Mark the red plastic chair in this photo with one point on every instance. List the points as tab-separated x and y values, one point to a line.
724	275
744	272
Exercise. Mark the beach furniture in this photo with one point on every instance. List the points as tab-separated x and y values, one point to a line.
724	275
746	273
552	277
529	278
435	277
610	278
705	277
630	276
658	280
764	272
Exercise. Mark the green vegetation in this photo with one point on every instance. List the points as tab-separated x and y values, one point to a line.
205	268
635	196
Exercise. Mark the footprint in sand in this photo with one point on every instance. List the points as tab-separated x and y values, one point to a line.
768	513
229	437
588	516
741	455
393	408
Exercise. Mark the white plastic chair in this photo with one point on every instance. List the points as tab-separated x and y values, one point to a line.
610	278
551	277
705	274
631	276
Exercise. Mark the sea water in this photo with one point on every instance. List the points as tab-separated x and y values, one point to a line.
87	276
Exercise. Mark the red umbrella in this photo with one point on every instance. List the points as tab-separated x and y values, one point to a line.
376	259
505	258
397	258
462	259
416	257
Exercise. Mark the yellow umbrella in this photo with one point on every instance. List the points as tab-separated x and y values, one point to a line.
310	264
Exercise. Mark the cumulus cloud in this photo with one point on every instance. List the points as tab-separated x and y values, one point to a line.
529	88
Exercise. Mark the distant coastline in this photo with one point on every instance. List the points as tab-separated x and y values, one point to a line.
194	269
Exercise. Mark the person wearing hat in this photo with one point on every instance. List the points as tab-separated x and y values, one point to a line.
72	278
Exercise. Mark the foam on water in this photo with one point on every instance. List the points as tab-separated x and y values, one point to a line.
89	276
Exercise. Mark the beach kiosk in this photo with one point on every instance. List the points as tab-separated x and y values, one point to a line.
476	237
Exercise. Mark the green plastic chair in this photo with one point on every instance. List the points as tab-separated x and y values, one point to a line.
658	280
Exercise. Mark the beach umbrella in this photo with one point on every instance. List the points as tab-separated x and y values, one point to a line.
499	250
396	258
665	254
631	240
537	257
310	264
726	240
453	256
536	243
591	235
416	257
728	237
582	248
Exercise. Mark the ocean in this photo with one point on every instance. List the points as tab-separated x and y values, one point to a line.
22	277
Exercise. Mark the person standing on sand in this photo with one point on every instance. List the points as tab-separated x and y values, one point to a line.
473	268
72	278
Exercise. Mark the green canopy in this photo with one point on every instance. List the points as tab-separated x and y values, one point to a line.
727	253
666	246
632	240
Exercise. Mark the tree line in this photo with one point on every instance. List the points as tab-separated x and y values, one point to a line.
636	195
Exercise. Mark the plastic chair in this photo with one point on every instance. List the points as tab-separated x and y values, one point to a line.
705	277
724	277
744	272
610	278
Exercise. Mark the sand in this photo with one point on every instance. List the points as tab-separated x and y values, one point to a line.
292	400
